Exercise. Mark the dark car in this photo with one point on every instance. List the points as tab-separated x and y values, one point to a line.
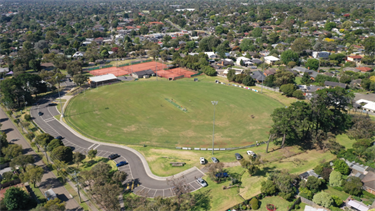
222	175
52	104
40	113
113	156
238	156
59	137
121	163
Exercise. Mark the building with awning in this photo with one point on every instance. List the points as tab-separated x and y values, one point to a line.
102	79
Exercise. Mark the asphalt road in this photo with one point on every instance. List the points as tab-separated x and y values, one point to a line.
149	185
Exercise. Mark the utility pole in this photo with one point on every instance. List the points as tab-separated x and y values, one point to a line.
214	103
75	178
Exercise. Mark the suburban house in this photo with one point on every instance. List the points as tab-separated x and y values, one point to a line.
269	72
308	91
331	84
244	60
355	83
367	105
301	70
364	69
369	182
143	74
357	59
225	62
238	71
77	54
308	174
271	60
258	76
211	55
4	69
320	54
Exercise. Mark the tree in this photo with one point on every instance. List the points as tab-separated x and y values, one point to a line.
44	139
284	77
79	79
219	29
12	151
284	181
323	199
35	64
107	196
16	199
306	193
337	201
254	203
312	64
369	45
353	185
231	75
119	176
306	79
54	144
329	26
104	53
257	32
22	161
33	174
143	30
239	78
62	153
341	167
298	94
74	67
270	81
288	89
313	184
92	153
268	188
289	56
78	158
55	205
300	44
247	45
3	142
248	81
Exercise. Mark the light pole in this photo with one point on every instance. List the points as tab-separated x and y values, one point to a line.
62	112
214	103
75	178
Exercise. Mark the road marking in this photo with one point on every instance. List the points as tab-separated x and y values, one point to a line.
200	170
91	146
163	193
96	147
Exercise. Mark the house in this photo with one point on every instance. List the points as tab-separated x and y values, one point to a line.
4	69
301	70
143	74
369	182
309	208
308	91
331	84
225	62
244	60
258	76
355	83
238	71
356	205
320	54
271	60
102	79
364	69
78	54
308	174
99	40
367	105
211	55
269	72
356	59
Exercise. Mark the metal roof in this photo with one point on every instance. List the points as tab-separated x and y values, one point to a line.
102	78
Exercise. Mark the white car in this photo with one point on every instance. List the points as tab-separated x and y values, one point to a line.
202	182
202	160
251	153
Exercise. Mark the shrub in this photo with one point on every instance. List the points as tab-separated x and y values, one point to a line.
27	117
337	201
30	136
9	112
25	124
254	204
244	207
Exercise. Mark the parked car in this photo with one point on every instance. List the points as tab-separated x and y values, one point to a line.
202	160
202	182
222	175
238	156
59	137
113	156
215	160
40	113
251	153
121	163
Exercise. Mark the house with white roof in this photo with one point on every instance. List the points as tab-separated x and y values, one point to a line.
367	105
271	59
211	55
244	59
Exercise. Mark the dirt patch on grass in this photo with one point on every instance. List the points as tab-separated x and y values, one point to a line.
168	152
222	123
231	164
130	128
109	124
159	131
188	133
96	112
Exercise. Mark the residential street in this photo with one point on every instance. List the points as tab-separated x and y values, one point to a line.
49	180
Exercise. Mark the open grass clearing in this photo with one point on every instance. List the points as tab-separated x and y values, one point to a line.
137	113
344	140
341	194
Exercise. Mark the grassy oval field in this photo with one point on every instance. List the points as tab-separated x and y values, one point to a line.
138	113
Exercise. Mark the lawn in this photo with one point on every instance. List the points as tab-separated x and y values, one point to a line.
341	194
137	113
298	80
344	140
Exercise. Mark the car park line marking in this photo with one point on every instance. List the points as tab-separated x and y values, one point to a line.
96	147
155	193
91	146
163	192
200	171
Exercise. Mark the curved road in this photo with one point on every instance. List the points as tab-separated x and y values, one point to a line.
137	169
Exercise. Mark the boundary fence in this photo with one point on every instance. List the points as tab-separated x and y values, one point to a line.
223	149
277	89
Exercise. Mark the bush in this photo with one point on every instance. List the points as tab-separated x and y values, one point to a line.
244	207
337	201
27	117
298	94
30	136
25	124
9	112
254	203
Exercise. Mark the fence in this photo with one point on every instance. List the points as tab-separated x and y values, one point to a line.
223	149
10	183
268	88
196	74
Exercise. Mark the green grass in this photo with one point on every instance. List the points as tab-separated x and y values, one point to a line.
341	194
345	141
137	113
298	80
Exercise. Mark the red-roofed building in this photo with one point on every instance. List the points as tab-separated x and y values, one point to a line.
364	69
155	23
138	27
129	27
357	59
346	15
119	28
